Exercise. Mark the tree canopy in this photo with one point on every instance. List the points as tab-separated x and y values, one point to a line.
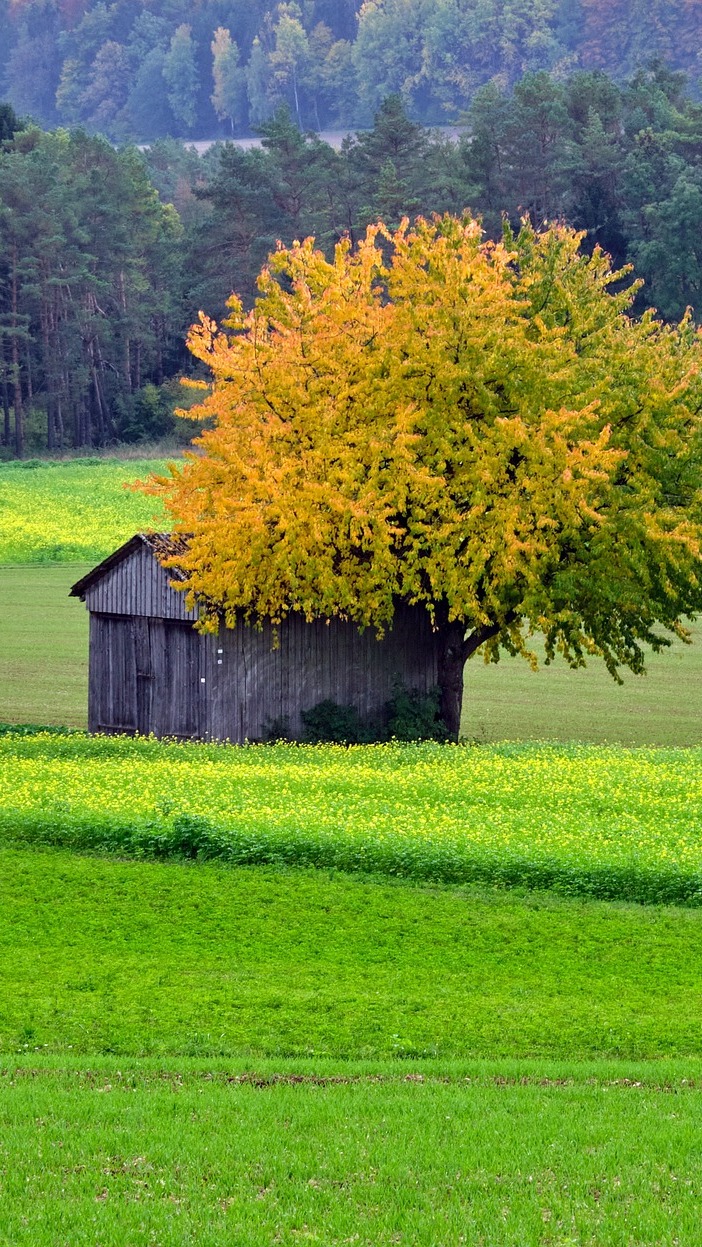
479	428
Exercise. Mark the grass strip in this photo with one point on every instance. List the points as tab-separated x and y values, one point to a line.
190	837
671	1076
252	967
133	1155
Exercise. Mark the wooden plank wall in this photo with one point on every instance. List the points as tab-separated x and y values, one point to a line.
151	672
145	677
137	586
112	679
250	684
177	699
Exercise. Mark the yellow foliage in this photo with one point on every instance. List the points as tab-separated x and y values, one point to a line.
480	427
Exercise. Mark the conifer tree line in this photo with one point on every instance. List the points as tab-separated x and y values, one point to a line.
106	255
141	69
90	278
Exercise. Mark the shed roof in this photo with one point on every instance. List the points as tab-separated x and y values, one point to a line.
161	545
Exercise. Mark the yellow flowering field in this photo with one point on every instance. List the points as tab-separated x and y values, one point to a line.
71	511
588	820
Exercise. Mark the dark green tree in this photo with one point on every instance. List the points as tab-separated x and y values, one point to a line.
10	124
180	75
91	304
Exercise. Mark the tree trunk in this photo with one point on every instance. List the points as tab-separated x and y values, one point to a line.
455	648
16	375
7	435
58	418
127	361
48	375
28	371
452	660
297	102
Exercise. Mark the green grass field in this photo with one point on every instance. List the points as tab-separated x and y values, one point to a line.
177	1156
200	1052
43	678
43	646
509	701
52	516
174	959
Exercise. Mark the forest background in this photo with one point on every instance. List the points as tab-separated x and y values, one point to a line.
145	69
573	109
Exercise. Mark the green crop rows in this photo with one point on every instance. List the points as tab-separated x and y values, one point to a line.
581	820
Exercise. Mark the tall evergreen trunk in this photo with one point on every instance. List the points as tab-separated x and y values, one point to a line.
48	377
126	346
16	372
50	442
160	336
58	423
7	434
28	373
297	102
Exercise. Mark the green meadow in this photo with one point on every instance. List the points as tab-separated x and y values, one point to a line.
195	1154
393	995
177	959
72	510
193	1053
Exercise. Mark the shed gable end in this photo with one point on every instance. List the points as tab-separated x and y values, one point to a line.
137	585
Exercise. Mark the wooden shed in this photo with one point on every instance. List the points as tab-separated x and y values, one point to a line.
151	671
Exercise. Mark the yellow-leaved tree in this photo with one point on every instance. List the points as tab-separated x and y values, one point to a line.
483	429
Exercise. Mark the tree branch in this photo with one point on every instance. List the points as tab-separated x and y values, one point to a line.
486	633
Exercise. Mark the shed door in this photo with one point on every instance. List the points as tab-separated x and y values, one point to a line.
113	682
168	676
145	677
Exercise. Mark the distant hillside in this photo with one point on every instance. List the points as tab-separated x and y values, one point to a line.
141	69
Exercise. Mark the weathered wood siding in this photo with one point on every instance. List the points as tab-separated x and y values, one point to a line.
137	586
250	684
145	677
150	671
177	706
112	698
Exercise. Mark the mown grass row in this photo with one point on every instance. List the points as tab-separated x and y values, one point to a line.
171	960
577	820
368	1164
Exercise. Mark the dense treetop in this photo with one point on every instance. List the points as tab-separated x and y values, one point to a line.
138	69
479	429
